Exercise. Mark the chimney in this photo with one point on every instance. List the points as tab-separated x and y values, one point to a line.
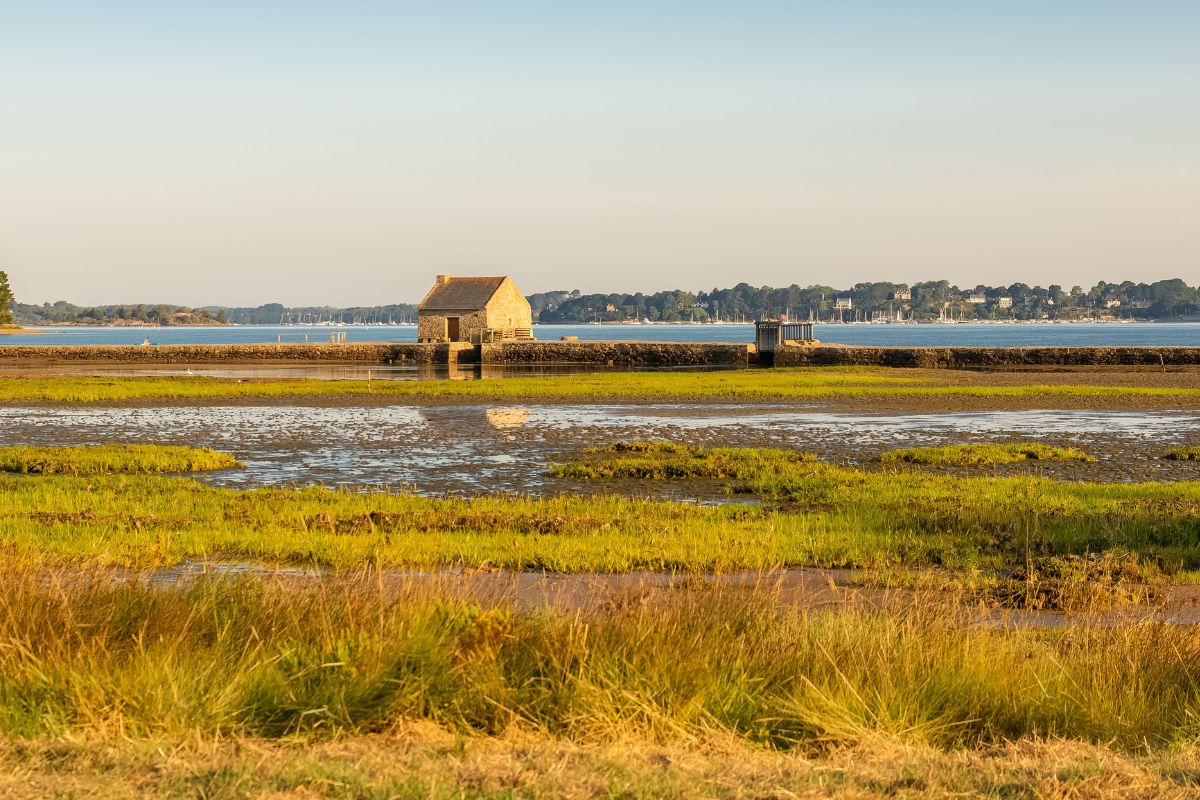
442	280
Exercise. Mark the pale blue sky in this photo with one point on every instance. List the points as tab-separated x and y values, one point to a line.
311	152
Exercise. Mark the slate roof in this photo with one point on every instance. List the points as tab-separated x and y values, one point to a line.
461	294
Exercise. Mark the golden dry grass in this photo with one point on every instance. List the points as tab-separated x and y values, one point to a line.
423	761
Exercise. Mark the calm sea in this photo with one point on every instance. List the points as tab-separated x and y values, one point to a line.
962	334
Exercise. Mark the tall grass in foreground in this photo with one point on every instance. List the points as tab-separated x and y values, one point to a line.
112	458
263	657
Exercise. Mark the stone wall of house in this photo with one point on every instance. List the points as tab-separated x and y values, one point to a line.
508	308
432	327
983	357
620	354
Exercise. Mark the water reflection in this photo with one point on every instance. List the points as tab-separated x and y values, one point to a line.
507	417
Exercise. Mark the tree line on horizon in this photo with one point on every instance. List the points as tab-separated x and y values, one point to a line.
927	300
1165	299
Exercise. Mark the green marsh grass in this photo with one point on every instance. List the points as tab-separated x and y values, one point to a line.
109	458
720	385
86	655
815	515
1191	453
966	454
668	460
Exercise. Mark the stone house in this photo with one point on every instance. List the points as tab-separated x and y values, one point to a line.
476	310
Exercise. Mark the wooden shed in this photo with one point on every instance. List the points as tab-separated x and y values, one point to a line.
474	309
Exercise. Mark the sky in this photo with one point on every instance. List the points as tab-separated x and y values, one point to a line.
344	153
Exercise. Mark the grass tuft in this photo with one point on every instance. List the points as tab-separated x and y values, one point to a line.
103	459
967	454
1191	453
672	461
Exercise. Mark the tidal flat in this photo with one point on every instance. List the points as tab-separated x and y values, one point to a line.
639	583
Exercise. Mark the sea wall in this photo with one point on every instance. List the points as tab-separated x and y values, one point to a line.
619	354
407	353
616	354
984	357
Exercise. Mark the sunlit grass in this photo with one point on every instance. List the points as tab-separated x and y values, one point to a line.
817	515
668	460
335	656
110	458
1183	453
719	385
965	454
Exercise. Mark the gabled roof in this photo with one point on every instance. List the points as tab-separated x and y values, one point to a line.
461	294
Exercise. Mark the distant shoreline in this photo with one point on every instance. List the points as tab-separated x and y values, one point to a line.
631	324
16	330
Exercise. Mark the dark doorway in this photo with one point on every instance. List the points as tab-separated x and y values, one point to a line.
452	328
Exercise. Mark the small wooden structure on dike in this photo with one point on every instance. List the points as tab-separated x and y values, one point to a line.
770	334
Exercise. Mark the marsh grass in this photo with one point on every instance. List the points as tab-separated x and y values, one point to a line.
90	655
721	385
1090	583
670	460
814	515
967	454
1191	453
875	519
111	458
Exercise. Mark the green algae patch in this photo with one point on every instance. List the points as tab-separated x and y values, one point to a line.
969	454
672	461
109	459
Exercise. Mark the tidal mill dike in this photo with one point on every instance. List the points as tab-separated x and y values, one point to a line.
606	353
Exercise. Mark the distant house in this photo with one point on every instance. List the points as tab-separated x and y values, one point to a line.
976	298
476	310
844	303
901	293
1004	302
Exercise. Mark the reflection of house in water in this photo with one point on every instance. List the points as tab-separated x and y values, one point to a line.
460	426
504	418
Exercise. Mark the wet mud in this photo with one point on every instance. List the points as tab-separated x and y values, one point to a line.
478	449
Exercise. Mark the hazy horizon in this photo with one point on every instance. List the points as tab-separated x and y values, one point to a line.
343	154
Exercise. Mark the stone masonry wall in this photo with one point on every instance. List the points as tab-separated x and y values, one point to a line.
432	327
508	308
233	353
984	357
622	354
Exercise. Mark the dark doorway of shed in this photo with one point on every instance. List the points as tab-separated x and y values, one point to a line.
452	328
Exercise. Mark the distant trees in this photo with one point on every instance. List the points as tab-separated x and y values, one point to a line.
923	300
6	300
64	313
